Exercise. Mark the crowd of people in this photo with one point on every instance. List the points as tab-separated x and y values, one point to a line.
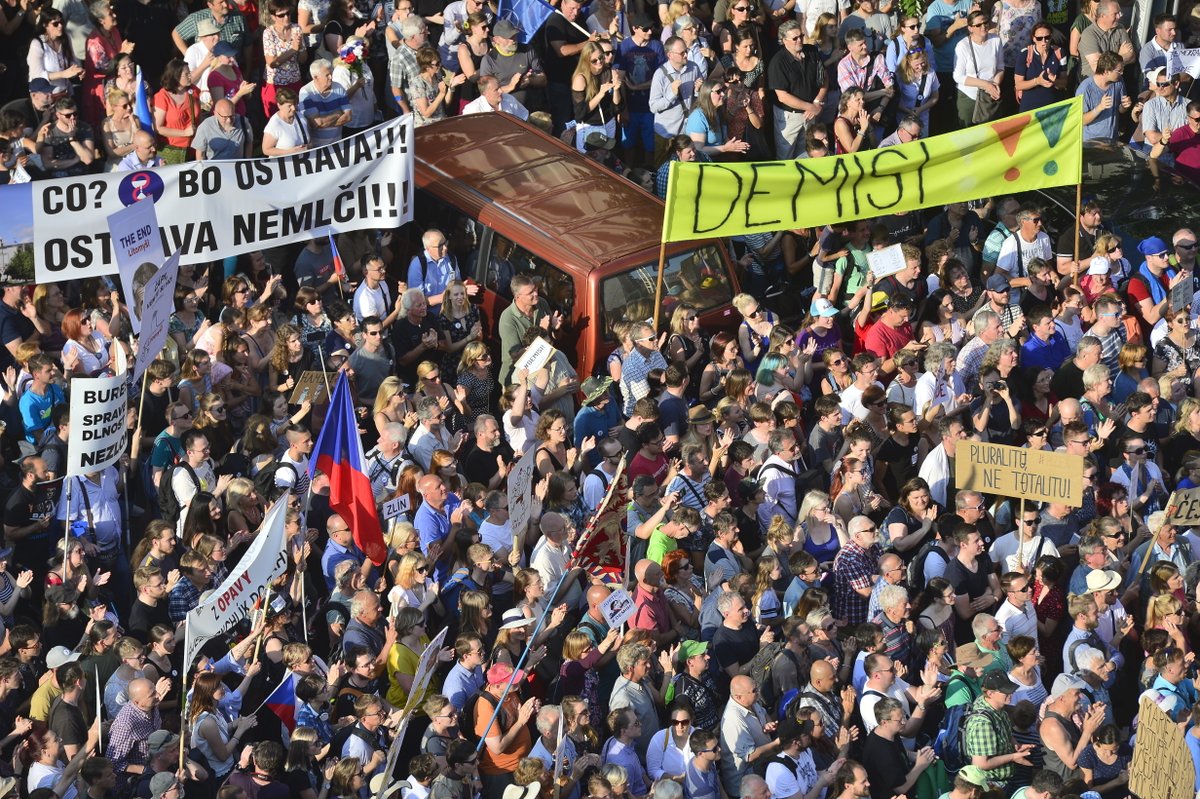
819	610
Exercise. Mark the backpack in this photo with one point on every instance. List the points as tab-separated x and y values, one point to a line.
760	666
948	744
168	503
424	259
916	567
466	725
770	698
338	741
264	480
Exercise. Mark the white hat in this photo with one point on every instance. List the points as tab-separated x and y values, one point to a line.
1102	580
822	307
1099	266
514	619
59	656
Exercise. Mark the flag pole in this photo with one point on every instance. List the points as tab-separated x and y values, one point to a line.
1078	213
658	286
574	24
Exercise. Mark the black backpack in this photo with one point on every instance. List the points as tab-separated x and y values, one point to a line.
167	502
466	725
916	567
338	741
264	479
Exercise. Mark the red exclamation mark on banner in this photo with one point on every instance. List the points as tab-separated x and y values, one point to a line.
1009	131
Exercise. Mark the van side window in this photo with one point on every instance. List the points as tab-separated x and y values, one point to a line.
461	231
507	259
697	277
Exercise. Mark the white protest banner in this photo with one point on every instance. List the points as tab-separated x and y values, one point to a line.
520	492
425	668
618	608
214	209
137	249
1188	61
158	303
887	261
264	561
98	407
394	507
535	356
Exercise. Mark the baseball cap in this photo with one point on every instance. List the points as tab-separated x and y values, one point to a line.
1153	246
40	86
505	29
640	20
160	740
999	681
501	672
224	49
689	649
1099	265
1064	683
974	775
997	282
60	655
822	307
879	300
160	783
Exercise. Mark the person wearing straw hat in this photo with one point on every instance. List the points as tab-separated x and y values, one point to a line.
597	417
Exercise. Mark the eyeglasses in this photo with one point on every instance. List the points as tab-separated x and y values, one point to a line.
975	25
1136	451
1031	522
1111	250
1186	245
1025	589
910	27
1041	38
598	59
185	415
67	114
681	722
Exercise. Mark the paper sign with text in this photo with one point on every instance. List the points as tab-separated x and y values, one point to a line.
214	209
98	428
158	305
618	608
535	356
1019	472
138	251
887	261
394	507
311	387
520	492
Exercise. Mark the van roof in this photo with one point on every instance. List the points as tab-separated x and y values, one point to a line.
498	163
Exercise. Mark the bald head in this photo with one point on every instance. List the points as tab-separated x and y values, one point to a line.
821	670
223	110
741	689
891	567
648	572
428	484
597	594
143	139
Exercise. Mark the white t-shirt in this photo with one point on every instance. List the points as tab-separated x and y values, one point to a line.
1004	551
294	134
1007	260
1016	621
811	9
782	782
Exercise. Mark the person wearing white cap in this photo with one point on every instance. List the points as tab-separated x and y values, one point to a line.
1062	739
1113	622
1165	111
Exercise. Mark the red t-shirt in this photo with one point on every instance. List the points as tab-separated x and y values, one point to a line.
885	341
656	468
1137	292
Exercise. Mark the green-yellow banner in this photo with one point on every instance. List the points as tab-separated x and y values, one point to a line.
1032	150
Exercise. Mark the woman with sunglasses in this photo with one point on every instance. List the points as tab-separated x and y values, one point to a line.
754	333
917	83
669	752
597	93
283	54
103	45
50	55
1040	71
743	16
1178	352
708	124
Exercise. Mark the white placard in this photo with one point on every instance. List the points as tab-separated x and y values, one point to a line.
618	608
394	507
425	668
1188	61
158	303
264	561
137	249
520	492
535	356
214	209
98	428
887	261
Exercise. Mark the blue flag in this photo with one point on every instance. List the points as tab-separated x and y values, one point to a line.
528	15
141	105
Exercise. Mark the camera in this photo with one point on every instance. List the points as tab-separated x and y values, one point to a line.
1000	385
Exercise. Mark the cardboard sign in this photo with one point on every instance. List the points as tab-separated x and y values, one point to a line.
138	251
887	261
1181	296
310	387
394	507
618	608
520	492
1019	472
535	356
1183	508
1162	766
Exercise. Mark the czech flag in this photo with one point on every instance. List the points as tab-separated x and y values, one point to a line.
141	105
338	266
282	702
339	454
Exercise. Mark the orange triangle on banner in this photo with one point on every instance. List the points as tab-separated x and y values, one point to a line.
1009	131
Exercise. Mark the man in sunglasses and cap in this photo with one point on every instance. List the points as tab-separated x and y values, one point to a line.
1150	284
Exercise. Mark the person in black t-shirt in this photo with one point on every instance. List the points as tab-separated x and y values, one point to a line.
150	606
66	717
737	640
488	461
29	515
976	588
415	335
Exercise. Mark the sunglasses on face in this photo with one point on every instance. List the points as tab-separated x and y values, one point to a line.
1041	38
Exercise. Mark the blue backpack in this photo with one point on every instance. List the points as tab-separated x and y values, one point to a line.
948	744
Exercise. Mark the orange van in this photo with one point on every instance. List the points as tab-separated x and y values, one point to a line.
512	199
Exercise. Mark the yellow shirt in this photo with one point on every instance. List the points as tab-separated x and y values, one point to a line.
42	699
402	660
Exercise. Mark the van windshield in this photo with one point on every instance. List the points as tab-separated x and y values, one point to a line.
698	277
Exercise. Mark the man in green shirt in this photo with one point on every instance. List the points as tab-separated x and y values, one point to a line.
515	321
987	735
850	271
665	537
